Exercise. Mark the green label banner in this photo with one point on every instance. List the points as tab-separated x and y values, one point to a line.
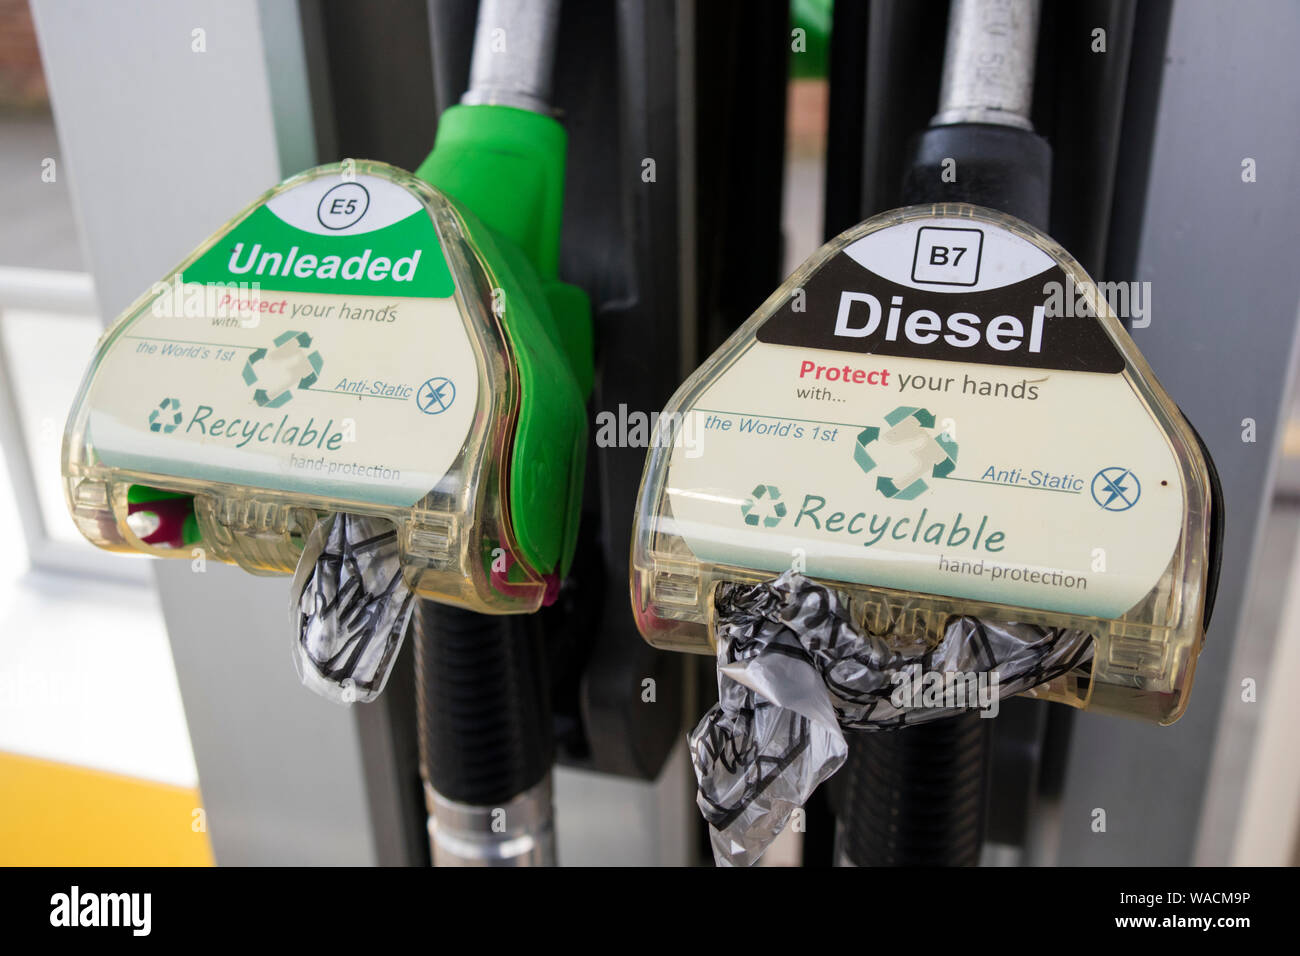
402	259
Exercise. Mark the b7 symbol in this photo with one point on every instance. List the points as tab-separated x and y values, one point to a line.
939	255
947	256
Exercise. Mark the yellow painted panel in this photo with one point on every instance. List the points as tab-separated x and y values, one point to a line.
54	814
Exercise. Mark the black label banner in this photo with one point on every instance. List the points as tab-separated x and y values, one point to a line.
848	308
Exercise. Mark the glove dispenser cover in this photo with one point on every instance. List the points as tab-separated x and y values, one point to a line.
940	415
337	347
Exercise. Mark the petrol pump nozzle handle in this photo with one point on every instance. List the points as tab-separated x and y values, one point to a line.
980	148
485	736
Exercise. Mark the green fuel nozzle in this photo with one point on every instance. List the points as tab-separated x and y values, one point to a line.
358	340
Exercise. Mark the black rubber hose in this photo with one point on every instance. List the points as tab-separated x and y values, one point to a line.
483	699
915	797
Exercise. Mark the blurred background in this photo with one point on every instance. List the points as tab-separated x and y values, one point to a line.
94	750
103	658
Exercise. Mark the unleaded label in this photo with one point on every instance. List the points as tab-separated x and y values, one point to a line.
917	417
315	348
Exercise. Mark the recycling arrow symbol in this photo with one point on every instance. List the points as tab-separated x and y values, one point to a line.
751	509
290	363
933	456
924	418
949	464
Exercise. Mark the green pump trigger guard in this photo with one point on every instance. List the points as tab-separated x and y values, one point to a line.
335	348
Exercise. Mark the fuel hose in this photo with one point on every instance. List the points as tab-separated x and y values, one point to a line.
930	783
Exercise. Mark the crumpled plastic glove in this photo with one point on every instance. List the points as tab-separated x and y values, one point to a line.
793	671
349	608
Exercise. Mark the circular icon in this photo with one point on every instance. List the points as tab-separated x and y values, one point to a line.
343	206
435	396
764	504
932	456
275	372
1116	488
166	418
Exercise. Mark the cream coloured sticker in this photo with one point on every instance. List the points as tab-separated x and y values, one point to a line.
359	397
1047	487
314	346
